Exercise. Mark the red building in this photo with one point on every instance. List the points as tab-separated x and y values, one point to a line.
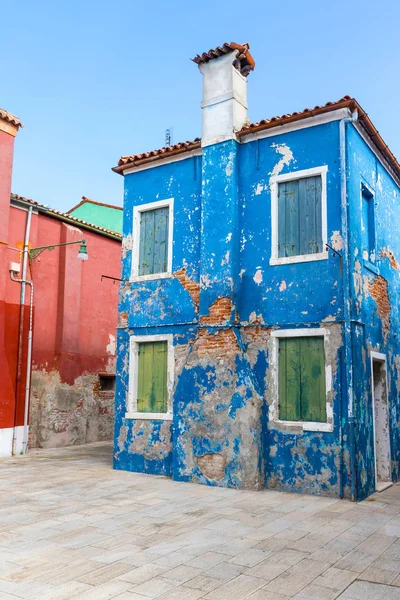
74	320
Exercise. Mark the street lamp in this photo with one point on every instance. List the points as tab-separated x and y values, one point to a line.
33	253
82	254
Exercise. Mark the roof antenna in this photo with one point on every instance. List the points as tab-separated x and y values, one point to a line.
168	137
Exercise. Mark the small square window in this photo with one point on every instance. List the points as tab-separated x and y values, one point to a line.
107	383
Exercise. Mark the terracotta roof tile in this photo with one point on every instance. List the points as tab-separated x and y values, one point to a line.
245	60
345	102
137	159
10	118
52	212
296	116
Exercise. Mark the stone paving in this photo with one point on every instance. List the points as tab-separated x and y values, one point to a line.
71	527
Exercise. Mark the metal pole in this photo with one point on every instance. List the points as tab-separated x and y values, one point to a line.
28	373
25	260
348	355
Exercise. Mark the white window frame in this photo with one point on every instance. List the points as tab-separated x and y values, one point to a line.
137	211
132	400
274	388
274	186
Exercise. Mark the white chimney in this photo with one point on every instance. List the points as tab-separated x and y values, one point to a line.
224	105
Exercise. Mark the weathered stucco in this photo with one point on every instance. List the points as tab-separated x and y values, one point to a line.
65	415
224	300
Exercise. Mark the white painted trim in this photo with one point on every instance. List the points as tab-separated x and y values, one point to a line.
306	332
294	426
18	440
275	180
131	408
168	202
159	162
335	115
289	260
6	442
382	358
149	416
299	174
378	356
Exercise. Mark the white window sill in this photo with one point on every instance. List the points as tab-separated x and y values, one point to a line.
136	278
149	416
304	425
288	260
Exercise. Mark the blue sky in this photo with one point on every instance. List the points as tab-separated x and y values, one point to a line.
94	79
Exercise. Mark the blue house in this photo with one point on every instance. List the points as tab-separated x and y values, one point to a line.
258	340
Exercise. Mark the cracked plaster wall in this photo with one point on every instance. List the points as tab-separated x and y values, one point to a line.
222	304
63	414
375	296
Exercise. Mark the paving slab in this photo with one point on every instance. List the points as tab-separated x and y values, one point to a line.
72	528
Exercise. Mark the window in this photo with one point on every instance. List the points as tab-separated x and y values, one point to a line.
299	228
367	224
151	371
152	240
300	388
107	383
152	377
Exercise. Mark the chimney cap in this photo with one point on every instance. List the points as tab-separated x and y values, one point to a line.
244	62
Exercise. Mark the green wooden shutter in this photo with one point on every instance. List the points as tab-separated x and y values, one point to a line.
302	390
152	391
288	219
161	218
289	379
146	249
313	387
153	245
300	217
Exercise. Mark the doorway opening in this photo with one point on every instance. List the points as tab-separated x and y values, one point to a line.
380	411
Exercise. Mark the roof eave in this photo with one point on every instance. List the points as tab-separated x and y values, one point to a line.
67	219
297	117
86	200
350	103
137	163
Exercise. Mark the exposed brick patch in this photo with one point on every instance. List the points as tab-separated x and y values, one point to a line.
379	292
387	253
256	334
123	319
219	312
212	466
193	287
222	342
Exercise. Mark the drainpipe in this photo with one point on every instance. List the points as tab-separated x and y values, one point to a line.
348	355
28	364
22	281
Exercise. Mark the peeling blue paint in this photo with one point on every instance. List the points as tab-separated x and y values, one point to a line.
222	432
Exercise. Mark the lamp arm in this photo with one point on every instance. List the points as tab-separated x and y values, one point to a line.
35	252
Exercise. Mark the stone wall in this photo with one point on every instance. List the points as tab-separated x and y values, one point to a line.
67	415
